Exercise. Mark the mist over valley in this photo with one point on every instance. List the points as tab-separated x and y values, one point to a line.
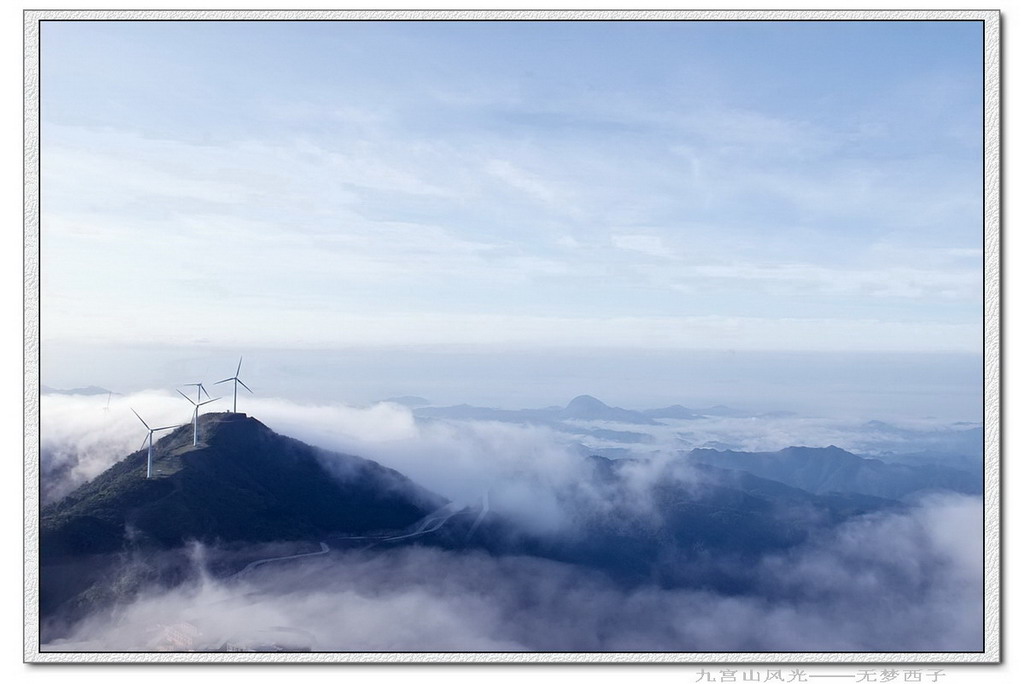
668	528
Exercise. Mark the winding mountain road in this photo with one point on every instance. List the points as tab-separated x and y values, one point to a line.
426	525
255	564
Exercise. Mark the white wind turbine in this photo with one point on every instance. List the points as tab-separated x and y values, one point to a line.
195	413
234	378
200	390
149	438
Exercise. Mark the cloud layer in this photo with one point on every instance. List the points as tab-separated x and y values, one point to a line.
82	436
902	582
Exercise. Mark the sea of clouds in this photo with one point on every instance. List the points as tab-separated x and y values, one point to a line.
893	582
897	581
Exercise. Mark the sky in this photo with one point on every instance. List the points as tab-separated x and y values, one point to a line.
610	188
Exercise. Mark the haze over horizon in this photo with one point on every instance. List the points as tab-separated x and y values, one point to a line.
865	385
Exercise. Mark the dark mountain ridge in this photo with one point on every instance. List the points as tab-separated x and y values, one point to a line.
241	482
695	525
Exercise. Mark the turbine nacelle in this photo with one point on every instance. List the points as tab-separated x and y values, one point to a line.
200	390
197	404
235	379
195	412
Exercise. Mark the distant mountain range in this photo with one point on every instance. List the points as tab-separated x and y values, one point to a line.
833	470
958	447
581	408
407	400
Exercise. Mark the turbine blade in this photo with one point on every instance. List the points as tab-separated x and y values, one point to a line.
237	370
208	401
144	440
245	386
139	417
184	395
220	381
169	427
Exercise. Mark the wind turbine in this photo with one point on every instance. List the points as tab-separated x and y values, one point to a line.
234	378
195	413
200	390
149	438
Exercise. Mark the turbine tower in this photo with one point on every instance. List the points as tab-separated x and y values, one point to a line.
195	414
149	438
234	378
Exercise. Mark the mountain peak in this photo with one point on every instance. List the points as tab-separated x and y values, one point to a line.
242	481
586	407
585	402
408	400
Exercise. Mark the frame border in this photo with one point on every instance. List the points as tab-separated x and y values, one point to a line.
992	333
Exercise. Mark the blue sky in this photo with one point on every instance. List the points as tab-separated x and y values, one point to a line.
671	185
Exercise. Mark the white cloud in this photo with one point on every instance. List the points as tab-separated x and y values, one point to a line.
347	234
521	180
885	583
650	245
